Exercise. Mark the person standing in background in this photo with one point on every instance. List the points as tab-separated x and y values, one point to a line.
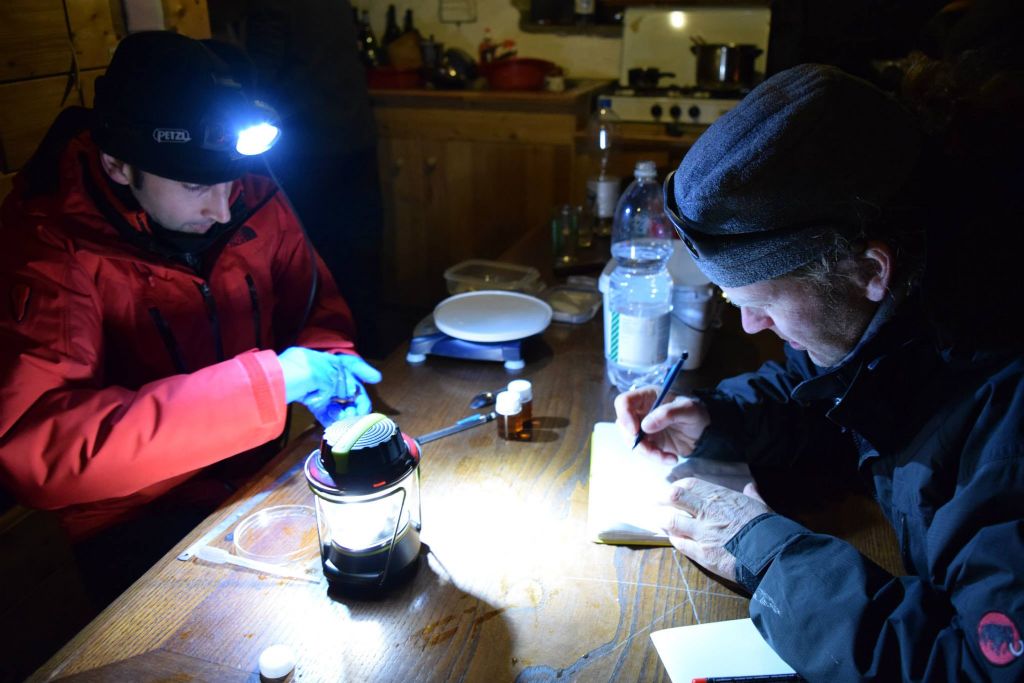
307	66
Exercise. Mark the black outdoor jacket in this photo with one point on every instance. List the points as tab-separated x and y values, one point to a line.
937	435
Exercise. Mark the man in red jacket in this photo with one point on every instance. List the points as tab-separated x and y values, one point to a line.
164	308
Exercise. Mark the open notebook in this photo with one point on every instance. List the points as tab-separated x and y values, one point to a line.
626	489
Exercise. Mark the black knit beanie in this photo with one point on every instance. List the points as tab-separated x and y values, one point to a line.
166	105
809	152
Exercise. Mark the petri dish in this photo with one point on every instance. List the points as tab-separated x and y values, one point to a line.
279	534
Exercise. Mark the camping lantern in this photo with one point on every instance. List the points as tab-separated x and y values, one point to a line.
365	480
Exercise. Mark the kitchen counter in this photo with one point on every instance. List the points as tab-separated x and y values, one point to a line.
576	98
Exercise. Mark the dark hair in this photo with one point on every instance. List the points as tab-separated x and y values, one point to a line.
138	176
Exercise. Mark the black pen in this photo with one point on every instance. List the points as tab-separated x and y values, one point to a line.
761	678
460	426
669	379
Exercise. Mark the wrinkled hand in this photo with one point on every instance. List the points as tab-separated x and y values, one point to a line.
330	385
718	514
671	430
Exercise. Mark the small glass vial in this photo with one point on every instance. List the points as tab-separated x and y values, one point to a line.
510	416
524	390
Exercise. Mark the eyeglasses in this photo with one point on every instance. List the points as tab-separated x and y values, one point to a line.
672	211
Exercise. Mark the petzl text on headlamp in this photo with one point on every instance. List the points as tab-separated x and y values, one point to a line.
365	480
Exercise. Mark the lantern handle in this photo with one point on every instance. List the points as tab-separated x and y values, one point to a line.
394	537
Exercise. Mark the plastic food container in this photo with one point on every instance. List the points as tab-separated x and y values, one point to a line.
571	304
475	275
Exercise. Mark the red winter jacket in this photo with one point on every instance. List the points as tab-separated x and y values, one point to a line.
124	373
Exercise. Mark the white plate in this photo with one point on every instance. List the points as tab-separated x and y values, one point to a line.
492	316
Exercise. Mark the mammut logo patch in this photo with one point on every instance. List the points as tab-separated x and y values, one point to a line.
999	638
171	135
241	236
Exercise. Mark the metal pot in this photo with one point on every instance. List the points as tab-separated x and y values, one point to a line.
725	66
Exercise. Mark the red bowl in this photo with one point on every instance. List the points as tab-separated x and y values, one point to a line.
516	73
390	78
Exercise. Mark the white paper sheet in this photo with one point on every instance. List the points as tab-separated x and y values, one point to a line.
626	491
722	648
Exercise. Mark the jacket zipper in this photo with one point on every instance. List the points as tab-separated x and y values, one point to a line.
169	341
211	312
254	297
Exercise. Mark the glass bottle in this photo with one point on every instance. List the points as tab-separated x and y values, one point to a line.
391	30
602	186
583	11
524	389
366	41
510	417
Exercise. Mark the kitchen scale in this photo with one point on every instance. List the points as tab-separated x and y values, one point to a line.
485	325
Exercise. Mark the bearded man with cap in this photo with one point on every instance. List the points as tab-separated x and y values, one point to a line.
805	205
164	308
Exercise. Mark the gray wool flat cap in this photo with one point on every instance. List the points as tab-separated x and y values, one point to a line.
809	151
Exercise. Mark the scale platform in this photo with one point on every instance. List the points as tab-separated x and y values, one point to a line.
428	340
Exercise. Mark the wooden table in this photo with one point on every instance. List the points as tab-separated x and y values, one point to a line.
510	588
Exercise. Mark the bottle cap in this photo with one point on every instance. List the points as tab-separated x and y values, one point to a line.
646	169
522	388
507	403
277	661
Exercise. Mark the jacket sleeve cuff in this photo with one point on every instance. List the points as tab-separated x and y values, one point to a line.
267	381
757	544
719	442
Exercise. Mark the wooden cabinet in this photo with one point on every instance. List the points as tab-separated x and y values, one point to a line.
465	175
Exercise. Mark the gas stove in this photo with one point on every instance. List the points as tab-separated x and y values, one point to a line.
658	41
672	105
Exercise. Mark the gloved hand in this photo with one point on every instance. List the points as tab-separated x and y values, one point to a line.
330	385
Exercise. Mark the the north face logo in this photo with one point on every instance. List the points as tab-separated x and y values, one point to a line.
241	236
171	135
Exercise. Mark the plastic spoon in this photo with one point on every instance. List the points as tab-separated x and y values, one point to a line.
221	556
484	399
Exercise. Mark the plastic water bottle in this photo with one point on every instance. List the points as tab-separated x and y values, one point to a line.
638	300
602	186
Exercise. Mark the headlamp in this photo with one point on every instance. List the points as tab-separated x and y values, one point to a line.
247	132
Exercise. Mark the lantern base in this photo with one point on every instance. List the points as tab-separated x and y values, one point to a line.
363	572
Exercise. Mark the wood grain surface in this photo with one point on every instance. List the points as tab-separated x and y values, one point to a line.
509	587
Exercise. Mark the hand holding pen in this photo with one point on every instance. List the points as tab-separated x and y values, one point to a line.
670	378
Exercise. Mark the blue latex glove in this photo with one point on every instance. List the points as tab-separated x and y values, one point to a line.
330	385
